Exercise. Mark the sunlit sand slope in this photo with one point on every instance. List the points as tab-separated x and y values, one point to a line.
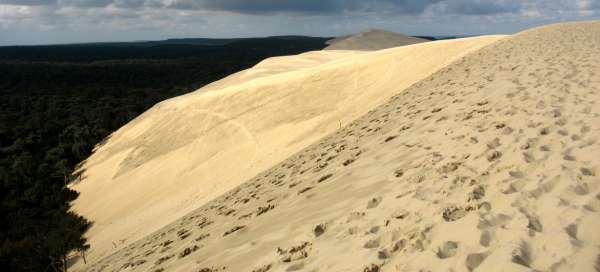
277	65
490	164
188	150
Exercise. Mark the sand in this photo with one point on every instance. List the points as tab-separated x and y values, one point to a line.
371	40
488	164
186	151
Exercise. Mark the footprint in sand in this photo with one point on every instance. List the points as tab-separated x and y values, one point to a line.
494	143
516	174
319	230
263	268
372	268
374	202
163	259
522	254
302	191
234	229
294	253
447	250
263	209
383	254
494	156
348	161
534	224
474	260
528	157
485	238
390	138
324	178
373	243
515	186
545	131
453	213
587	171
187	251
582	189
571	230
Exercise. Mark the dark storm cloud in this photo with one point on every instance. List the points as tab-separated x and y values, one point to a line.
414	7
306	6
28	2
390	6
258	6
481	7
78	3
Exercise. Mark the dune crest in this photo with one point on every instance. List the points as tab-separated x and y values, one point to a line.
370	40
489	164
188	150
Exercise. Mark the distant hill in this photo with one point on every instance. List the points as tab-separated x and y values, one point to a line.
209	41
171	48
374	39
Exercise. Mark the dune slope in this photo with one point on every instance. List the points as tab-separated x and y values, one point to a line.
489	164
188	150
370	40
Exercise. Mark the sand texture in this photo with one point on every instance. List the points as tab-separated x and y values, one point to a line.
370	40
189	150
489	164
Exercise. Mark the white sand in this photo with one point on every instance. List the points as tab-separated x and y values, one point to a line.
489	164
370	40
188	150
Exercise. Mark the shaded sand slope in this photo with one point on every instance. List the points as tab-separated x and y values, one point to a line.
490	164
373	39
188	150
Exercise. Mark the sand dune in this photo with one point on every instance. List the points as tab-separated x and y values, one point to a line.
188	150
277	65
370	40
489	164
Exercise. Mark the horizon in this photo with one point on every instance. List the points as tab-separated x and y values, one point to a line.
232	38
57	22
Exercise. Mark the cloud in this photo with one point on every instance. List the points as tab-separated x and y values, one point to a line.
258	6
299	7
40	21
129	4
86	3
412	7
588	5
27	2
305	6
481	7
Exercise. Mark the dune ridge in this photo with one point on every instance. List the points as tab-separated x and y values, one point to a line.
188	150
489	164
370	40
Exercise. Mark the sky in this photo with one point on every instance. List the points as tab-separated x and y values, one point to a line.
24	22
